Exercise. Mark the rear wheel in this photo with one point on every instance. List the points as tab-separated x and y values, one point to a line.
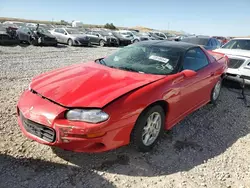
136	40
33	42
216	92
148	128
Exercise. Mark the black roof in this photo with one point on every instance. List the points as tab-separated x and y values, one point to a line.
164	43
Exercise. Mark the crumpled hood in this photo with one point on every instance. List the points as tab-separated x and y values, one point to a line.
88	84
235	52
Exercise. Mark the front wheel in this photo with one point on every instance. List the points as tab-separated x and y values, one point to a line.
102	43
216	92
148	128
136	40
33	42
70	42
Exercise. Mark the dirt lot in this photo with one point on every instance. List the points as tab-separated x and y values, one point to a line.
210	148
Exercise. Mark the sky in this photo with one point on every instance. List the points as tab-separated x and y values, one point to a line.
213	17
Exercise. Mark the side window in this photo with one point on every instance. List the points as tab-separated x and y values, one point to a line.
210	42
57	30
26	30
214	42
161	35
62	31
195	59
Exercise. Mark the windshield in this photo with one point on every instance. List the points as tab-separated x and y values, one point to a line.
145	59
138	34
105	33
126	34
238	44
73	31
43	30
196	40
19	24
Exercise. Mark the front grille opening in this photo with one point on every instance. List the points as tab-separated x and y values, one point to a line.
235	63
46	133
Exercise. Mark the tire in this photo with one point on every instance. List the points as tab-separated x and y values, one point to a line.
33	42
140	136
70	42
216	92
102	43
136	40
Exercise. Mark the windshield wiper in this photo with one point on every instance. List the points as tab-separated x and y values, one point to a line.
102	62
129	69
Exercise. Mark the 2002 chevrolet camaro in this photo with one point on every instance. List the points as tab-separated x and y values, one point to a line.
129	96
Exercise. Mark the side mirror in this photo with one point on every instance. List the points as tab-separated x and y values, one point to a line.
189	73
29	33
65	33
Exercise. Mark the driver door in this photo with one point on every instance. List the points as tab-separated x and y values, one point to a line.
196	90
64	36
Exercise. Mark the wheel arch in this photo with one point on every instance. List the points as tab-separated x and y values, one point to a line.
164	104
70	39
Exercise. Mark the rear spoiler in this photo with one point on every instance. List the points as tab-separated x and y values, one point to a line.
217	55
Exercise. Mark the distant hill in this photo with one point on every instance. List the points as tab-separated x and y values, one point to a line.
141	28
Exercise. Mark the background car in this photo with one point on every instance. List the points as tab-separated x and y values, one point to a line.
154	84
96	38
159	35
149	36
208	43
223	40
48	27
7	36
122	40
16	23
110	39
36	36
238	52
72	37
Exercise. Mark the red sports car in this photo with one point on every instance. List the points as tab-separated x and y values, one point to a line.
129	96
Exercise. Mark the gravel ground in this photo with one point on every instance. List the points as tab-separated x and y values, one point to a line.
210	148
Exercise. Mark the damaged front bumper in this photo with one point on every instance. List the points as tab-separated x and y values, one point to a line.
43	121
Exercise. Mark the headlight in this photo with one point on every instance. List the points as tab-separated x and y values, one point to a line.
29	87
90	116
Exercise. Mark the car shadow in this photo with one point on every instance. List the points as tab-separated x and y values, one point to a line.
29	172
203	135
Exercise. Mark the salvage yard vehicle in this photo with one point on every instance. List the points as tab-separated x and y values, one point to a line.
72	37
209	43
16	23
7	36
159	35
111	40
238	52
132	95
122	40
96	38
223	40
36	36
